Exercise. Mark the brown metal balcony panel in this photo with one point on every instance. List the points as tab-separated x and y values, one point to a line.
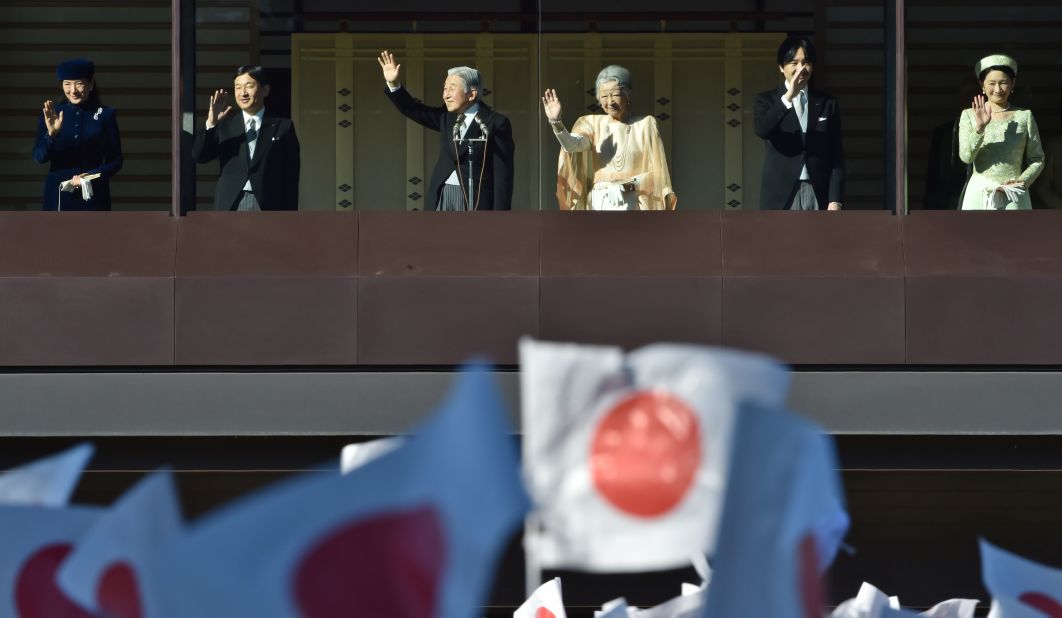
214	244
444	320
275	288
484	244
266	320
814	288
86	288
984	288
86	321
632	311
87	244
631	244
816	320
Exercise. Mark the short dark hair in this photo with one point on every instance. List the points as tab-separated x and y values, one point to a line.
1009	71
256	72
788	49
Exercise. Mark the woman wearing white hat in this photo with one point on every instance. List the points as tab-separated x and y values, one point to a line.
1001	140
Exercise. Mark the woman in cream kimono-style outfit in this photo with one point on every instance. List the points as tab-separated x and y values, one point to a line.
1000	140
610	161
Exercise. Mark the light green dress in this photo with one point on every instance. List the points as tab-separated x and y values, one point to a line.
1008	148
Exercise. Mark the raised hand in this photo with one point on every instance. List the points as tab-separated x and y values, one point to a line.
982	112
219	107
552	105
52	121
390	69
799	81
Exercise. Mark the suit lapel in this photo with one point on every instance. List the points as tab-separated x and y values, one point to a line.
814	111
265	138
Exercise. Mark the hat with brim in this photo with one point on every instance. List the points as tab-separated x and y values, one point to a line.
78	68
995	60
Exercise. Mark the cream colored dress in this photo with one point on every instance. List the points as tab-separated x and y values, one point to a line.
1008	148
607	154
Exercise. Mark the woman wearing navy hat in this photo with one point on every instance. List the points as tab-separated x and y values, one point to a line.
78	137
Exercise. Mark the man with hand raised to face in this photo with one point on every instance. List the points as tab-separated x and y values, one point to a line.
801	127
258	153
469	132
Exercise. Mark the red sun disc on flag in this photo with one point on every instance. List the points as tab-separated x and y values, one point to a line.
1049	606
36	593
387	565
646	453
542	612
117	594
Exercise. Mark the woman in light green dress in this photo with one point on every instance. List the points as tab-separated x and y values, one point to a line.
1000	140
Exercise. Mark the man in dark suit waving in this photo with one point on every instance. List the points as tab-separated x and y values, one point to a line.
258	153
804	167
474	170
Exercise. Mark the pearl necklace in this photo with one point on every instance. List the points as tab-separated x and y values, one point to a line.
619	160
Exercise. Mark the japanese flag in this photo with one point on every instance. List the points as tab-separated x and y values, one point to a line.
45	482
626	455
783	516
109	572
34	541
414	533
545	602
1020	587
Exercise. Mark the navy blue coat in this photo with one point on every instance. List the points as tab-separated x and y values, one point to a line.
87	143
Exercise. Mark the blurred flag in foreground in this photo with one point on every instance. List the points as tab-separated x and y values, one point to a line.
45	482
1020	587
34	541
782	519
626	455
873	603
545	602
414	533
110	570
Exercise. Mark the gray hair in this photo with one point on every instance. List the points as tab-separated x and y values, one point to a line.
468	75
615	73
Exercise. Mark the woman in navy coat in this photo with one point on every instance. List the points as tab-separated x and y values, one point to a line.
78	137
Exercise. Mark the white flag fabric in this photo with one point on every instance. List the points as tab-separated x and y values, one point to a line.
626	455
33	543
689	604
868	603
357	454
783	506
616	608
414	533
1020	586
953	608
110	570
45	482
546	601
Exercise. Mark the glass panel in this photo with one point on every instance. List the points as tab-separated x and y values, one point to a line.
943	47
129	46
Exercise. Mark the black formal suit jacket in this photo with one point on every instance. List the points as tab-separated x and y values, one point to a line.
788	151
273	171
497	185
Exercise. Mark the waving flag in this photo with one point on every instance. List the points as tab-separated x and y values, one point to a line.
868	603
110	570
626	456
545	602
34	541
414	533
782	516
45	482
1019	586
